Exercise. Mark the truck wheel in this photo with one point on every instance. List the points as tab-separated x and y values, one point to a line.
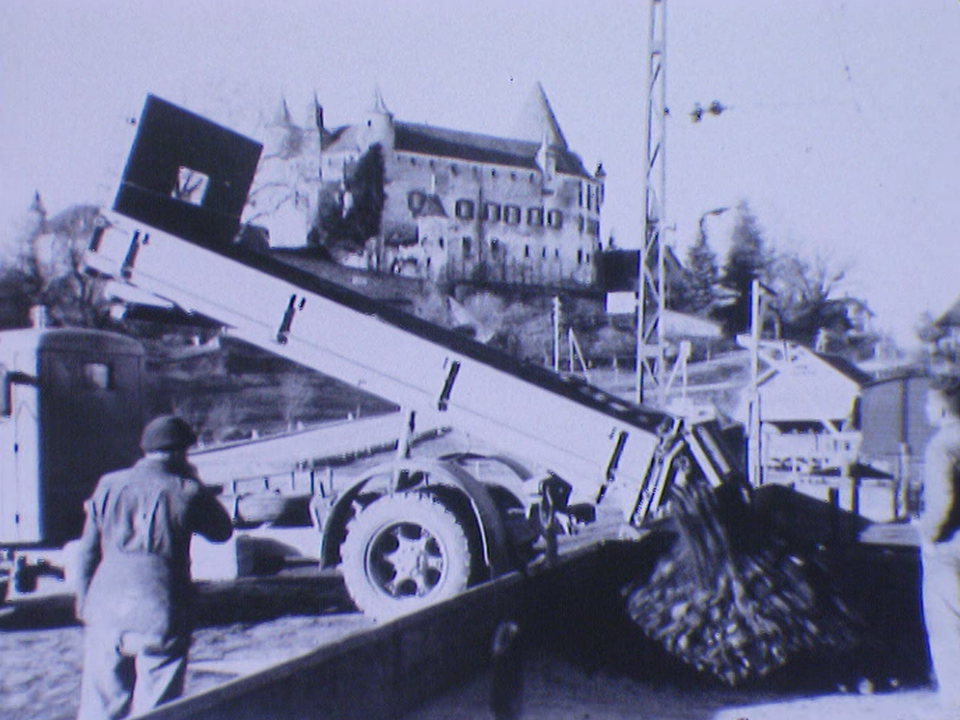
402	553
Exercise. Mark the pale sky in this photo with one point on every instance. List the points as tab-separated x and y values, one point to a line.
841	134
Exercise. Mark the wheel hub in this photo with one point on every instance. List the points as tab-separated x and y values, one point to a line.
406	560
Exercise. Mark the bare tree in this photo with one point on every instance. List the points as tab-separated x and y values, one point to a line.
47	268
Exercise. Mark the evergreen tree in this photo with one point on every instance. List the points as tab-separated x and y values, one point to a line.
747	260
352	217
700	278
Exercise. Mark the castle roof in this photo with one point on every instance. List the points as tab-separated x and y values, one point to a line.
473	147
540	126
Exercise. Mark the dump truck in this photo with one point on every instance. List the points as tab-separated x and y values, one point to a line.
547	453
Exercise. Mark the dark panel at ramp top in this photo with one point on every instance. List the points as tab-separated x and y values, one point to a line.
187	175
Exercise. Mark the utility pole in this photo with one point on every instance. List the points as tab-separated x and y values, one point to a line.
651	266
754	464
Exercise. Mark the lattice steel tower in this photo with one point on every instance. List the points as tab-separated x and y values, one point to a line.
651	270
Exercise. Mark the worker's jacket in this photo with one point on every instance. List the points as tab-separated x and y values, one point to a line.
133	565
940	520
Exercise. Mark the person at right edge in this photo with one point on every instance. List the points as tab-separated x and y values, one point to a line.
133	584
940	540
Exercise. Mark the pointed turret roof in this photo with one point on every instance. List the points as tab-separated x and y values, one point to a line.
537	121
379	106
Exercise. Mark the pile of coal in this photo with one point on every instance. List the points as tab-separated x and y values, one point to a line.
733	602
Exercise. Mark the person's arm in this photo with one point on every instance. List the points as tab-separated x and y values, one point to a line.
950	521
208	517
939	497
87	557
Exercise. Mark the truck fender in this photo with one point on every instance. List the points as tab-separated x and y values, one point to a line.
331	514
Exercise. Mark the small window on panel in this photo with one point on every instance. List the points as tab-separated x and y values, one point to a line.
96	376
191	186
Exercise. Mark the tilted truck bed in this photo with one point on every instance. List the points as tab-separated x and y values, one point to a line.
599	443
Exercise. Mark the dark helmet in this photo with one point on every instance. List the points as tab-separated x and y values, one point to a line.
167	432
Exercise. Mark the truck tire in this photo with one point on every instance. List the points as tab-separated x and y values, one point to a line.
404	552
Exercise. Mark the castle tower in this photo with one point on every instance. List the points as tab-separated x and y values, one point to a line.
378	125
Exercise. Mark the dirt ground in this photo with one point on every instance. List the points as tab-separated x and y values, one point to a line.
557	690
244	626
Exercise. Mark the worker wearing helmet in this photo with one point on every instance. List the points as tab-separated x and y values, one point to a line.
940	534
133	580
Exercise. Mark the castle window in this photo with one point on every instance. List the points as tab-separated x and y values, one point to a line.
593	228
491	212
588	258
453	169
467	247
493	173
415	201
533	177
494	246
526	251
589	197
440	243
413	161
579	257
464	209
511	214
580	194
513	176
580	223
555	219
543	253
535	216
556	253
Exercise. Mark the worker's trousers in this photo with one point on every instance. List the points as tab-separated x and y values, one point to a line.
127	674
941	610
